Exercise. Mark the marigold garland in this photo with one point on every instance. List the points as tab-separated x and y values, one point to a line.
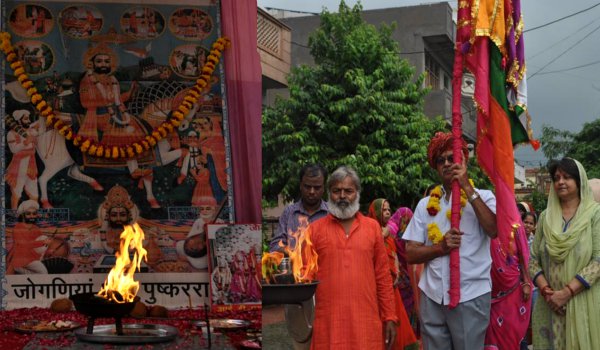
434	233
98	149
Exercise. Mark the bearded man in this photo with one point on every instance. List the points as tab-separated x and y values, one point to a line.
465	325
354	303
29	243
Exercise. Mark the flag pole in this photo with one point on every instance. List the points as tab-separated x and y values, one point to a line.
462	36
458	158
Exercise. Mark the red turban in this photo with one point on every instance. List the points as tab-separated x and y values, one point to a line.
440	143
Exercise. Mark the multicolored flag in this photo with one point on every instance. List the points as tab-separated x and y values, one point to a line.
490	38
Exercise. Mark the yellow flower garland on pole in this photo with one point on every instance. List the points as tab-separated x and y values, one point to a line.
98	149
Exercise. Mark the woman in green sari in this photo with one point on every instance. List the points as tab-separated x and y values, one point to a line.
565	263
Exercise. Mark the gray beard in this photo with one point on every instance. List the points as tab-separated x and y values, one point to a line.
343	212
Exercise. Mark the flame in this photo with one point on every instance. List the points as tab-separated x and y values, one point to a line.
270	263
300	250
120	285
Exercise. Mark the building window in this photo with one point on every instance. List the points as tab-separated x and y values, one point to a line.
433	72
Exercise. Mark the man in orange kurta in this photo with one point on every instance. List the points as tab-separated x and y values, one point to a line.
354	303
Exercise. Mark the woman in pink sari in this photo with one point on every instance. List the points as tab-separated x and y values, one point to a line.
511	292
409	289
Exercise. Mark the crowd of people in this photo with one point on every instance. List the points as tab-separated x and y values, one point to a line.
384	279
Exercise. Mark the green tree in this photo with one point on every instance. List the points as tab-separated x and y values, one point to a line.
359	105
586	148
538	199
583	146
555	142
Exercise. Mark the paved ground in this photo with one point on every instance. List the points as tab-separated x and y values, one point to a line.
274	332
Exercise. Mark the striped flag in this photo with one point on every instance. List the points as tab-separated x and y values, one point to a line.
490	36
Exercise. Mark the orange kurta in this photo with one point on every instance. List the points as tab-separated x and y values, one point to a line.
355	291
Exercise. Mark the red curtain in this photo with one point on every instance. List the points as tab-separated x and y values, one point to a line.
244	104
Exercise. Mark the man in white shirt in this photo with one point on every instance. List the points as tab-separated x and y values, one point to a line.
464	326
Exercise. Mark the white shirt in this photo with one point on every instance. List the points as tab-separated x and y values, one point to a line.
475	259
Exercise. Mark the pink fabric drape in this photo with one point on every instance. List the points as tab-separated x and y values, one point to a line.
244	104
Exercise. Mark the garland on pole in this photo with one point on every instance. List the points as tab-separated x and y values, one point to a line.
98	149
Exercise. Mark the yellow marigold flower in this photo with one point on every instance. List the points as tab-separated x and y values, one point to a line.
27	84
207	70
58	124
63	130
201	84
100	151
183	109
115	152
138	148
16	65
122	152
85	145
145	144
218	46
194	93
107	152
168	126
36	98
186	104
213	58
434	234
32	91
50	119
190	99
76	140
19	71
46	111
41	105
210	64
150	140
174	122
11	57
69	135
156	135
92	150
162	131
130	153
216	53
21	78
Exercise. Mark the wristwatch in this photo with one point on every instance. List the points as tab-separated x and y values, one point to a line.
473	197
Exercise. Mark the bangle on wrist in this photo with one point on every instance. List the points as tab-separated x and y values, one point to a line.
571	291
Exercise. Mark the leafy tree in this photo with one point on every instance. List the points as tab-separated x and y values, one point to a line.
538	199
359	105
583	146
555	142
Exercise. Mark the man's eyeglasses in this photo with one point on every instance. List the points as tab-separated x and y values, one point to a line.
442	160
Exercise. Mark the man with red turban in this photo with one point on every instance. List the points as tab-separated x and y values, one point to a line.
430	239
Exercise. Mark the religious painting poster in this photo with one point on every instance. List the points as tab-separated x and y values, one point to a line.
113	72
235	253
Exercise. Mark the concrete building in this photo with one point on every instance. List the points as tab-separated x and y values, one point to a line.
274	45
425	34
